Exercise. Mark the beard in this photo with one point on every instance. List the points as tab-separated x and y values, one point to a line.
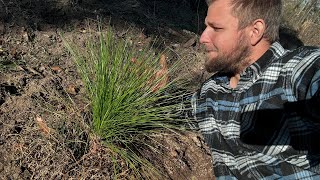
232	63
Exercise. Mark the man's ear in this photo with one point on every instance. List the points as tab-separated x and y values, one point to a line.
257	30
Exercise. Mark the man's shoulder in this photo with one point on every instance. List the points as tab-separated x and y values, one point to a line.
305	51
301	56
305	72
293	56
309	55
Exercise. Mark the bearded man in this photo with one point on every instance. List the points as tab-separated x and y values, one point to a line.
259	113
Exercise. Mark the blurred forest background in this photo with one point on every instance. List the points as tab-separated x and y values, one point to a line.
299	15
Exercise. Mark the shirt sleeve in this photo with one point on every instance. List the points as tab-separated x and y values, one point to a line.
306	87
303	115
311	105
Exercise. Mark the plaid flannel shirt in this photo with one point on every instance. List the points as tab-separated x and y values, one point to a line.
268	127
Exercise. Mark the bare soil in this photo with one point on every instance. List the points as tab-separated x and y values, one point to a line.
44	123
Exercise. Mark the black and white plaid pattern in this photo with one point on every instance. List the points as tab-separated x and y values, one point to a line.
268	127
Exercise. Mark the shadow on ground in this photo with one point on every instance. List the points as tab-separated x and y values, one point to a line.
147	14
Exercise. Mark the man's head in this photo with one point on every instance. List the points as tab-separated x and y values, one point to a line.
238	32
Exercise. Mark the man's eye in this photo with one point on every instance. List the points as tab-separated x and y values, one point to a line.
217	28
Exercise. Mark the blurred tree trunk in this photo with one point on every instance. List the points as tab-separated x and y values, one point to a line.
307	11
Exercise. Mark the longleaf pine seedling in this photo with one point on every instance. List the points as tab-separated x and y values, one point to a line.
127	102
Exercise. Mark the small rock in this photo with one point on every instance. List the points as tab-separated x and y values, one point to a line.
173	153
41	69
25	36
173	32
175	45
83	31
26	174
79	82
196	140
122	34
190	42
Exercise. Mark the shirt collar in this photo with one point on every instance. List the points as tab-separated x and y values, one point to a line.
255	70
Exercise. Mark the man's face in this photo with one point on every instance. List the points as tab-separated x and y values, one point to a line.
228	48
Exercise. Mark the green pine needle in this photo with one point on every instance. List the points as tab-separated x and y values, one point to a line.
119	81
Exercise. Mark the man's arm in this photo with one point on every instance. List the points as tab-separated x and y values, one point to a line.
306	86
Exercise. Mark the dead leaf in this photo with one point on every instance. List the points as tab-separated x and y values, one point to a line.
163	62
13	52
134	60
83	31
18	147
94	146
71	89
42	125
56	69
162	74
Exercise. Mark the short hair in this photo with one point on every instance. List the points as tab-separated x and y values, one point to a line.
248	11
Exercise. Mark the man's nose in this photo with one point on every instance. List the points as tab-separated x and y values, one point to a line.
204	38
